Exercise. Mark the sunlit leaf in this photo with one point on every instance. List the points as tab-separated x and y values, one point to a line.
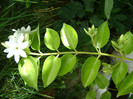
50	69
35	44
119	72
67	63
69	36
28	70
126	86
51	39
90	70
128	38
102	36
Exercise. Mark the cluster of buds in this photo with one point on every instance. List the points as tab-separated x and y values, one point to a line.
123	43
119	44
91	31
107	68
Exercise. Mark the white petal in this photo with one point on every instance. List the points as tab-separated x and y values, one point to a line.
14	30
16	57
6	50
18	31
10	54
28	28
7	43
20	39
4	44
24	45
22	53
22	29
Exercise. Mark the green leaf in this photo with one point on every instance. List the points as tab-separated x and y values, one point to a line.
102	36
90	70
106	95
50	69
108	7
91	95
28	70
51	39
101	81
128	38
119	72
35	44
69	36
127	85
67	63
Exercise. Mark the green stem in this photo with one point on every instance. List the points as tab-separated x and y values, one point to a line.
79	52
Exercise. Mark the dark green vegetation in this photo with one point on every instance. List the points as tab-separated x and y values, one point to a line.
53	13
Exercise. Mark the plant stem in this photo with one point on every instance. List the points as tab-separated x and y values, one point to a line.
80	52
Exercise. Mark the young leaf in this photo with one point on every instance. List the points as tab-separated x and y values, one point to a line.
126	86
90	70
102	36
91	95
35	44
67	63
128	38
51	39
106	95
119	72
108	7
50	69
69	36
28	70
101	81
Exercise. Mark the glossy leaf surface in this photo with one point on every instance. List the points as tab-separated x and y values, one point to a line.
28	70
35	44
67	63
126	86
119	72
102	36
90	70
128	46
69	36
51	39
50	69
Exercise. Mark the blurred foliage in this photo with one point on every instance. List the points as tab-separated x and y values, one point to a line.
83	13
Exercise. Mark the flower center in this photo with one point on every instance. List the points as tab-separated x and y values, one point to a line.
16	47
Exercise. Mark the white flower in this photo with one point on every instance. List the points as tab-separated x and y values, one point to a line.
23	30
15	46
